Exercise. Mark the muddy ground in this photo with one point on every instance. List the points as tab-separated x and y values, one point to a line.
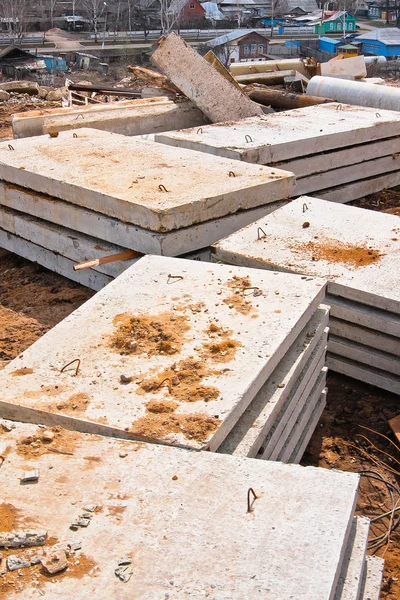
33	300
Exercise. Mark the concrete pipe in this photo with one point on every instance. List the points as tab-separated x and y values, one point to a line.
355	92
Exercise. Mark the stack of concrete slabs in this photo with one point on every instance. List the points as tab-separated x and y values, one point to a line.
172	351
135	193
186	514
279	416
340	151
358	251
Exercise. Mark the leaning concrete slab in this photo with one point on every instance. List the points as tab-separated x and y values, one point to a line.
289	135
62	241
365	336
83	220
214	95
52	261
139	181
364	354
351	577
284	386
134	493
181	372
303	417
357	250
371	589
364	373
308	430
352	67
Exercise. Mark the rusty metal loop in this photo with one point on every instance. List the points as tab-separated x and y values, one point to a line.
231	174
162	188
249	501
200	130
11	147
75	135
305	207
77	360
258	233
248	138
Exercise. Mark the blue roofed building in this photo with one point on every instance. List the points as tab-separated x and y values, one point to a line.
382	42
327	44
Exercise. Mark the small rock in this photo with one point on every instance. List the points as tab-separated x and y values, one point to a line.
83	522
174	478
15	562
123	454
90	507
55	562
306	224
74	546
30	476
74	526
125	560
47	436
123	573
125	380
6	427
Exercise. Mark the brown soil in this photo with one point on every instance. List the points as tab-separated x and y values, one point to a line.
151	335
64	442
10	518
21	372
386	201
76	404
195	426
242	291
183	382
334	251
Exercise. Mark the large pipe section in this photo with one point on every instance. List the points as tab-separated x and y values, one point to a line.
355	92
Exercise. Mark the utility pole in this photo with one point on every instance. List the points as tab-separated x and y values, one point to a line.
105	25
272	18
73	15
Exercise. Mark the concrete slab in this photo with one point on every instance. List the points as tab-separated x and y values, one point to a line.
65	242
359	189
335	159
52	261
309	429
172	243
121	177
367	316
279	431
371	589
171	497
265	66
347	174
137	117
356	249
365	336
290	134
298	415
364	373
353	67
251	429
303	418
364	354
351	577
194	362
214	95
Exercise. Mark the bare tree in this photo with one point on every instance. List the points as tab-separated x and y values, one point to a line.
15	14
94	10
170	13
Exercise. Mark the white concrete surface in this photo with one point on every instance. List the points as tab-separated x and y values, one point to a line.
303	417
359	189
214	95
198	295
365	336
285	384
347	174
364	373
265	66
120	176
65	242
290	134
335	159
373	578
364	354
287	245
351	577
308	431
299	415
353	67
185	515
366	316
52	261
171	243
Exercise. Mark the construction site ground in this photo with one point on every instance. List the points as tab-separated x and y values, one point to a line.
33	300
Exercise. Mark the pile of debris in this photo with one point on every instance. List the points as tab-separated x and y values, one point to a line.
358	252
